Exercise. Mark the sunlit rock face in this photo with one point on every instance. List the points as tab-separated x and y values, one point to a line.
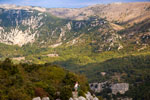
23	25
115	88
88	96
19	27
36	98
17	37
119	88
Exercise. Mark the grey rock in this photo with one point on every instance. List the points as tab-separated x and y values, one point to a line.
97	87
45	98
119	88
89	96
70	98
81	98
36	98
76	99
95	98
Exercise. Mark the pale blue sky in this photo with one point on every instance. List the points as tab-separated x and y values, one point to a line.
63	3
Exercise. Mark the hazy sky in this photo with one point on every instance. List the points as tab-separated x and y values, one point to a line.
63	3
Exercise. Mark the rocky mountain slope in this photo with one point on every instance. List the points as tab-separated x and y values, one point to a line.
108	43
117	12
41	29
19	26
22	26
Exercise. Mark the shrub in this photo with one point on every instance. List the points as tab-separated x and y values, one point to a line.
81	93
40	92
66	93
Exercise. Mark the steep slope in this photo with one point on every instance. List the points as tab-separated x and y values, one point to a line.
104	42
117	12
20	27
26	81
27	26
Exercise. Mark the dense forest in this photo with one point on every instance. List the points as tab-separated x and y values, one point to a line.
134	70
25	81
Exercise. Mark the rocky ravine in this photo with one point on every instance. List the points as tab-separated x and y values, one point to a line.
20	25
23	25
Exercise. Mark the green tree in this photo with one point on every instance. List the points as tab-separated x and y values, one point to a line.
66	93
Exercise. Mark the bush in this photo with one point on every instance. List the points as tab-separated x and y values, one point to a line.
66	93
99	97
40	92
25	81
81	93
70	79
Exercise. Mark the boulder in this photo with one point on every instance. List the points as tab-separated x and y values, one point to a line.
119	88
89	96
45	98
70	98
97	87
81	98
36	98
95	98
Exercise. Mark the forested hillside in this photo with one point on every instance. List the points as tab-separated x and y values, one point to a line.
109	44
25	81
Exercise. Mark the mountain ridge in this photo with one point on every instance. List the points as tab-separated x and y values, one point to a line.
29	26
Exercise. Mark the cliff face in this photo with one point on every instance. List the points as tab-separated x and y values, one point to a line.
115	88
20	25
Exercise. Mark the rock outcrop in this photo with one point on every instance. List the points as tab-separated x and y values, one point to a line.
115	88
97	87
88	97
38	98
45	98
119	88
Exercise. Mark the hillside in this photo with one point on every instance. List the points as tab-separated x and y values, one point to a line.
112	39
26	81
125	13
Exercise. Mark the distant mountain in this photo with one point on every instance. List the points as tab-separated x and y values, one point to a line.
110	27
24	24
124	13
20	26
112	39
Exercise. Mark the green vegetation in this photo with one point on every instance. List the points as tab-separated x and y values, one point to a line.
88	47
134	70
25	81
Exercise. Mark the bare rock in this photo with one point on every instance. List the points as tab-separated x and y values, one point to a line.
70	98
36	98
45	98
119	88
89	96
81	98
95	98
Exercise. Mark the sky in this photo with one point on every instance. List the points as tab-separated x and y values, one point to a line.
63	3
